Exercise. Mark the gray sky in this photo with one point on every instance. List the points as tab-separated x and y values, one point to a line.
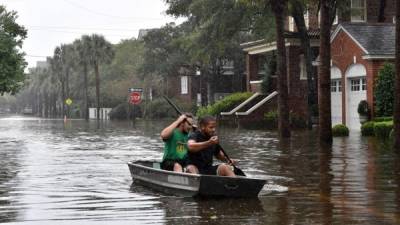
53	22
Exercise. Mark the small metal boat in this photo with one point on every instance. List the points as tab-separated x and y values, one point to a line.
185	184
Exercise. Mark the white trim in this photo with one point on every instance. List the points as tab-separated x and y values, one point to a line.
368	57
240	105
255	81
256	106
271	46
336	32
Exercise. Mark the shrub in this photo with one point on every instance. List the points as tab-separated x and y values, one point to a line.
225	104
382	119
340	130
271	119
363	108
120	112
367	129
297	121
383	90
382	129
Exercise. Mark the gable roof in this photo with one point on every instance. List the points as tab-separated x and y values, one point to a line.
373	39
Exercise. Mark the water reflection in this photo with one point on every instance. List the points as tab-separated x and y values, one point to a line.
77	172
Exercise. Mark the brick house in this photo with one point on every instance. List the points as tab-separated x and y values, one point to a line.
359	46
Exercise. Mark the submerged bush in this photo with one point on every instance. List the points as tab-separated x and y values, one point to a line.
340	130
271	119
367	129
383	129
223	105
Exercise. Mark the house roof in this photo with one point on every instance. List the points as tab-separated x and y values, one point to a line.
374	39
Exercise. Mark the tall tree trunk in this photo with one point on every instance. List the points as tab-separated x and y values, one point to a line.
86	96
279	7
396	114
298	15
63	97
381	15
324	75
67	92
96	71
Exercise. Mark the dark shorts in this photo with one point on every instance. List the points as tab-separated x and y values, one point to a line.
168	164
209	170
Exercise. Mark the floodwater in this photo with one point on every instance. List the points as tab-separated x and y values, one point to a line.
76	173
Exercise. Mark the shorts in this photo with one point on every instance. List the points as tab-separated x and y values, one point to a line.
209	170
168	164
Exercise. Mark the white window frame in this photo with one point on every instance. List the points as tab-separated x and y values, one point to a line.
184	85
303	69
359	18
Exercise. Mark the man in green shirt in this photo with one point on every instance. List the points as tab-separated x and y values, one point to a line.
175	137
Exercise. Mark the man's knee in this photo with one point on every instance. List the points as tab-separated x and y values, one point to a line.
192	169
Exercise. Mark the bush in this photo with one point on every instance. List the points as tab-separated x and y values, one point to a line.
120	112
382	129
340	130
297	121
223	105
363	108
383	90
271	119
382	119
367	129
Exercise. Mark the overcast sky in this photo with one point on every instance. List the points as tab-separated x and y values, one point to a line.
53	22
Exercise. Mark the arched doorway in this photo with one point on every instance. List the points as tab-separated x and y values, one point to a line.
336	95
356	90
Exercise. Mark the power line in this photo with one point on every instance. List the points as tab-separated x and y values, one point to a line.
78	28
107	15
37	56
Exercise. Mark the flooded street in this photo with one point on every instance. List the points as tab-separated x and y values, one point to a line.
76	173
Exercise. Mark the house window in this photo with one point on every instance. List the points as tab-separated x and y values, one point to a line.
303	71
336	86
363	84
291	24
355	85
198	99
184	84
358	11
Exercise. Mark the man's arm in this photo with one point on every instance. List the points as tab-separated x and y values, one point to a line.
167	132
198	146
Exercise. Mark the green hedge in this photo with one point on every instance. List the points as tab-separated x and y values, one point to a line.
340	130
271	119
223	105
382	119
383	129
367	128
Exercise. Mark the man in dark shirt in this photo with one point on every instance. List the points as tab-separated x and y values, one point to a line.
203	145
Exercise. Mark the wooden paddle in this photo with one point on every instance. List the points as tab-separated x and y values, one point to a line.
236	170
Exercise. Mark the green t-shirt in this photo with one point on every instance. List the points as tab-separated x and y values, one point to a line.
176	145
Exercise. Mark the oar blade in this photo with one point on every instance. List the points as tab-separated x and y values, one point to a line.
238	171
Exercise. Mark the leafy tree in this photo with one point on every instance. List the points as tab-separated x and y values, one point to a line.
384	90
100	51
12	63
396	115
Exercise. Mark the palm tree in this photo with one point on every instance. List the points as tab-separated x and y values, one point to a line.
324	74
99	51
57	69
396	114
82	49
279	9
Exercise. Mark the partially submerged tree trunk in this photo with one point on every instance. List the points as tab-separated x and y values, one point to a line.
86	96
396	114
298	15
279	7
96	71
324	77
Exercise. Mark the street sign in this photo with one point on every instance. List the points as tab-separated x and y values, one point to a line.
68	101
135	95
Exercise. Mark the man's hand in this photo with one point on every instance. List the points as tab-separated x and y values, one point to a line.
181	118
214	140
